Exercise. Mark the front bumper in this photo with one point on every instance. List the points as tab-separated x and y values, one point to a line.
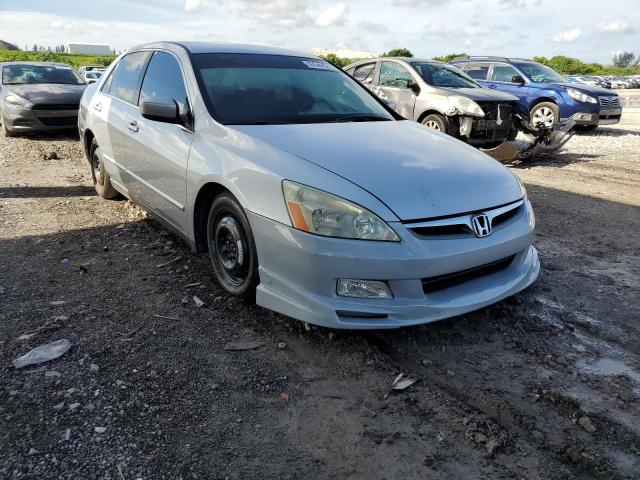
24	119
298	273
603	117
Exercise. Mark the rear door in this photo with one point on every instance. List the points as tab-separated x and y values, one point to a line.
477	71
157	151
500	78
110	108
393	85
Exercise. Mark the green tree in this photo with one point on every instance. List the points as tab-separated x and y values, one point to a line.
398	52
625	60
335	60
450	56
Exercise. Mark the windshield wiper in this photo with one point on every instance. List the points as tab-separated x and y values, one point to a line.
360	118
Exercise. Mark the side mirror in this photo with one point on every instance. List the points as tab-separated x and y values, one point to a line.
413	86
161	110
517	79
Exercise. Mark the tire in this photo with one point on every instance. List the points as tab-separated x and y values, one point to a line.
548	112
100	177
436	122
232	248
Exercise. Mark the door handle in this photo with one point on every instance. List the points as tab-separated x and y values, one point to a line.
133	126
98	107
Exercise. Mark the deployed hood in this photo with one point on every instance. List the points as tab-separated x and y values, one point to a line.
589	89
417	172
480	94
48	92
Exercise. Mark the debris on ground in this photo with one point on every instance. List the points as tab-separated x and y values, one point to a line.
282	345
587	424
191	285
166	317
50	156
170	262
43	353
491	447
401	383
243	345
284	396
199	303
100	429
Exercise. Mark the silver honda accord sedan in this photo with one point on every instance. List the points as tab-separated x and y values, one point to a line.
309	194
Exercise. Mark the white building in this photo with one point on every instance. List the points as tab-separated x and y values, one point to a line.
87	48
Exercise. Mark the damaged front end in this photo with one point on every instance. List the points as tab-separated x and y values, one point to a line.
481	124
546	140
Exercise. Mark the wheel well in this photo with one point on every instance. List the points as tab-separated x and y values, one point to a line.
205	198
424	114
88	138
540	100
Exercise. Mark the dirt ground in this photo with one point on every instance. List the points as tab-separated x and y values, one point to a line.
544	385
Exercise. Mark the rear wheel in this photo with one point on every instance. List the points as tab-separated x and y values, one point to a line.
232	248
546	114
436	122
100	177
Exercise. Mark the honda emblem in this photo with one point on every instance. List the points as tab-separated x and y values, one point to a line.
481	225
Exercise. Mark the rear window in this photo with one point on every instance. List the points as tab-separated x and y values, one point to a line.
124	80
263	89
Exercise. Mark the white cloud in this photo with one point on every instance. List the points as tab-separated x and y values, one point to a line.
374	27
416	3
278	13
568	36
334	15
438	30
615	26
519	3
192	5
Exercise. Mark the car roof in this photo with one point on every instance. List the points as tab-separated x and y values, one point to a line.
491	59
211	47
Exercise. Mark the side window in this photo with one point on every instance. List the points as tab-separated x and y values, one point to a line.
478	71
106	86
394	75
124	84
164	79
503	73
364	73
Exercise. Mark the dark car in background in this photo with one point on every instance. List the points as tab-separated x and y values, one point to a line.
440	97
548	96
36	96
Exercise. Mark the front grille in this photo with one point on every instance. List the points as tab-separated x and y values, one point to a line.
56	106
441	282
59	121
504	217
495	110
612	101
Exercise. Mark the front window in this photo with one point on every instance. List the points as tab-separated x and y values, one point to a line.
438	75
541	73
39	74
394	75
271	89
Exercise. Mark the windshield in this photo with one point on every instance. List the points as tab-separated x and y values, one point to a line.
541	73
38	74
271	89
438	75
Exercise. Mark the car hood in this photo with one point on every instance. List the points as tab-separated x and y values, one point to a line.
417	172
48	92
481	94
588	89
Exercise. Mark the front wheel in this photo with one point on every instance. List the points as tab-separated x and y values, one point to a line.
545	114
436	122
232	248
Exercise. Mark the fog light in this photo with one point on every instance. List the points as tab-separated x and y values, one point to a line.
363	288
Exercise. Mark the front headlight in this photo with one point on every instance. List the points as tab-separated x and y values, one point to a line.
580	97
465	106
322	213
14	99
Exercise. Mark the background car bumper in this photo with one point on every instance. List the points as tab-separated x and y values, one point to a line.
298	274
23	119
603	117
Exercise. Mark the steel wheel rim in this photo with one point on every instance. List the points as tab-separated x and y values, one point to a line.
433	124
545	116
231	250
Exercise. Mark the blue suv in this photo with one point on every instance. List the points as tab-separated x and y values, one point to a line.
543	92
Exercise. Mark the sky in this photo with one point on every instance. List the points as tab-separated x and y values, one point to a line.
592	30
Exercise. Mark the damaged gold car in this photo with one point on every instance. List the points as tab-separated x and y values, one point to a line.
444	98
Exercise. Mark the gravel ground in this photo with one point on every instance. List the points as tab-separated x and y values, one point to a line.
543	385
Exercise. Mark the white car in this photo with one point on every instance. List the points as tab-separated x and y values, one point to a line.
308	193
92	76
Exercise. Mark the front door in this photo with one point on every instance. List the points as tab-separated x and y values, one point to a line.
501	78
393	84
157	151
